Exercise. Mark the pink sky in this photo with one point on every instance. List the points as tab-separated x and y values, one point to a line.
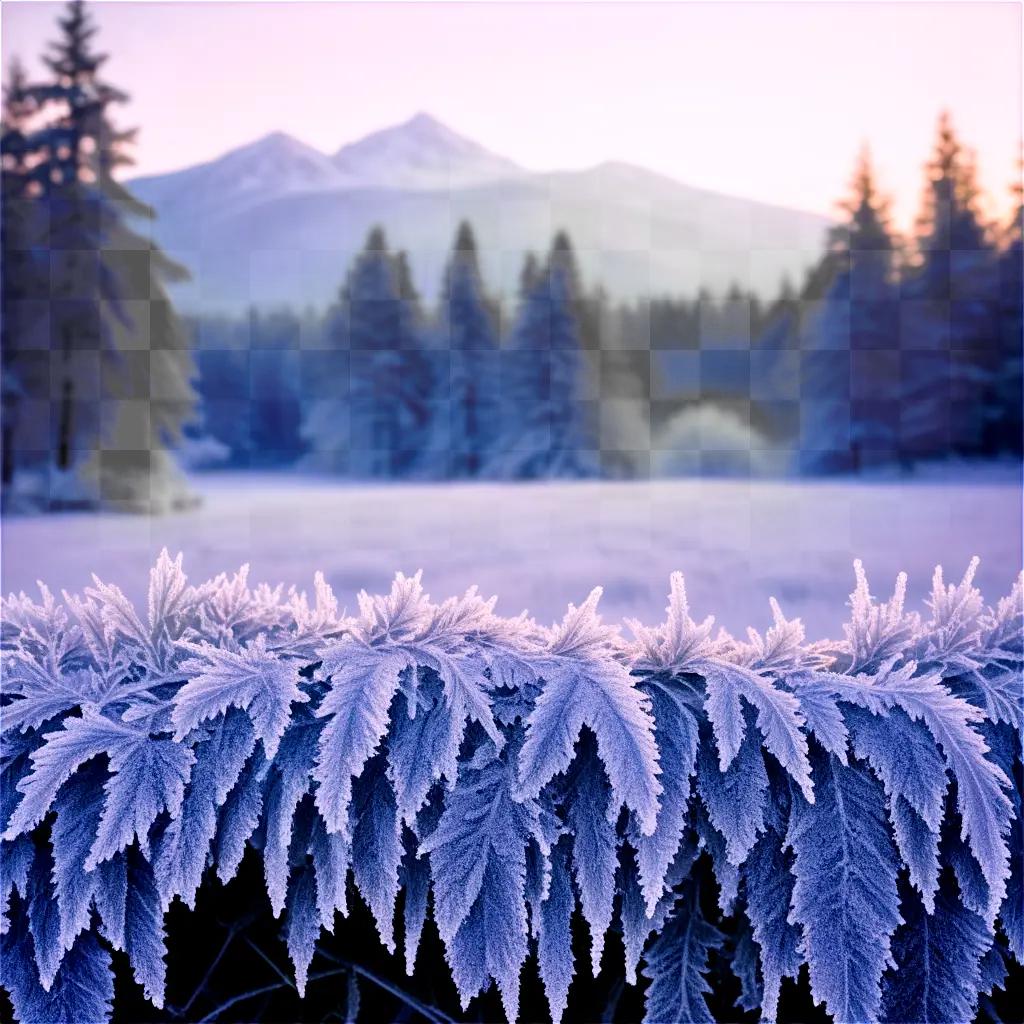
766	100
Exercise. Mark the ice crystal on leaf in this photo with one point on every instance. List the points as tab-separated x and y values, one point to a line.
853	806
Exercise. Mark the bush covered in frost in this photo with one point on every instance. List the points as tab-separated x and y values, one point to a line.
854	805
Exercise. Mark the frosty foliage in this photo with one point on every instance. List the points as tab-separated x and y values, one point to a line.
763	803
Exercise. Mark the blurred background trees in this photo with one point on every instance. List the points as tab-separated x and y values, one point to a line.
97	363
890	353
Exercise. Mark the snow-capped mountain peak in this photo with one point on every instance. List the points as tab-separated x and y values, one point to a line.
280	163
275	165
421	153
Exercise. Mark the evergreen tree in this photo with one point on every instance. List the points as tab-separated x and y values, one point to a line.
275	395
24	273
375	423
849	395
469	338
950	296
549	422
529	276
120	363
1006	399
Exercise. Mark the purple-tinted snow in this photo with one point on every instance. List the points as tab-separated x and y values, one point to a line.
541	546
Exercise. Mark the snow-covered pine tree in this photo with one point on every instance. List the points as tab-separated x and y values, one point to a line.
949	305
121	364
469	406
849	401
549	426
376	422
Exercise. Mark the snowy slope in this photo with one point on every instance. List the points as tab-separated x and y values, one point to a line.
422	153
541	546
270	167
277	221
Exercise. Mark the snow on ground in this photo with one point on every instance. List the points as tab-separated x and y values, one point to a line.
539	546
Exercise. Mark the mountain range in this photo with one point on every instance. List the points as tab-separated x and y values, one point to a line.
278	222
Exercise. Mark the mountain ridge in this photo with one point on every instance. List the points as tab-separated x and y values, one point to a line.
276	220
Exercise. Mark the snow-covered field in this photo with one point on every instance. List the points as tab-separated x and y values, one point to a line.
541	546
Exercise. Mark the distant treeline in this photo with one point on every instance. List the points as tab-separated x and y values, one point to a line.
890	351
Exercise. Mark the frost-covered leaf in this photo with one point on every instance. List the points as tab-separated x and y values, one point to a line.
37	697
144	938
877	633
999	691
824	719
150	643
676	737
919	848
330	854
423	748
735	797
377	847
363	681
253	678
478	863
778	718
15	862
939	955
845	897
782	650
58	758
184	847
677	965
302	924
554	935
984	807
111	898
904	756
44	918
768	881
239	818
594	843
148	777
81	993
288	781
583	689
79	806
951	637
677	645
416	883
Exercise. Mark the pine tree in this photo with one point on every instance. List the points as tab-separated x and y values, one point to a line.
849	397
949	333
120	359
24	273
1006	398
469	339
275	395
529	276
375	423
549	422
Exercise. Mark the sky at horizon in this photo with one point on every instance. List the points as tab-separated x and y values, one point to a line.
770	101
